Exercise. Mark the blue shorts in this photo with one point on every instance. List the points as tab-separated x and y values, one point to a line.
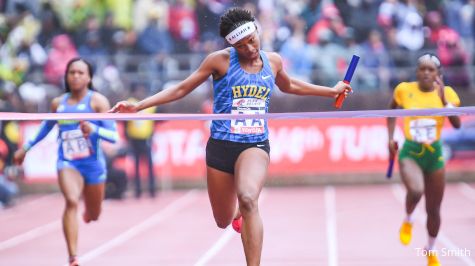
93	172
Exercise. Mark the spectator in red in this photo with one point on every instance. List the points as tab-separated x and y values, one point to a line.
436	27
61	52
453	57
330	20
183	26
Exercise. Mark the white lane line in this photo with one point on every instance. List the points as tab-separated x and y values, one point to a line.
330	211
35	232
467	190
170	210
228	234
398	192
30	235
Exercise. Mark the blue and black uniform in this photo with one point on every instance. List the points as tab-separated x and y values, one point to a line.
74	150
239	92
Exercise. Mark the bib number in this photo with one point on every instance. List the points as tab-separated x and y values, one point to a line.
74	145
423	130
248	106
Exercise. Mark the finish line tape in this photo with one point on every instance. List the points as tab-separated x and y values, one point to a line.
460	111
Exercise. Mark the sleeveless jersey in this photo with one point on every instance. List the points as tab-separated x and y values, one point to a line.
239	92
73	146
424	129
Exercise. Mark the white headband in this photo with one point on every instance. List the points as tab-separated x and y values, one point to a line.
240	32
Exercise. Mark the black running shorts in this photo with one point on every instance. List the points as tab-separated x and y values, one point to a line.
223	154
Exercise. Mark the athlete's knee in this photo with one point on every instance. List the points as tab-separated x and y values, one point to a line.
222	218
71	203
415	194
94	218
222	223
94	214
247	202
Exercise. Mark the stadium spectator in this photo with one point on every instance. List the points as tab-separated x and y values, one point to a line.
139	136
8	188
62	51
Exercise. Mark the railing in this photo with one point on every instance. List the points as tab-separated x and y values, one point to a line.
156	73
116	75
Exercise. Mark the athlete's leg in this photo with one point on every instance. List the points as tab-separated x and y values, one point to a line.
93	196
434	192
250	174
137	181
413	179
222	196
151	175
71	184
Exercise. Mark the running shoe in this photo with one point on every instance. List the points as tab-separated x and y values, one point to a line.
237	223
432	259
405	233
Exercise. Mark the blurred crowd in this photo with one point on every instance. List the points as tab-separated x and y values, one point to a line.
149	44
153	42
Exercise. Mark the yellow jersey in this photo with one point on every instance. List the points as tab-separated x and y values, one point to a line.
140	129
422	129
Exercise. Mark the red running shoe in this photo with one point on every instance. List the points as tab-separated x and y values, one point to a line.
237	223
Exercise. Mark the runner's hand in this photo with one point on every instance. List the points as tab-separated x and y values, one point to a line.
86	128
342	87
440	87
124	107
392	146
19	156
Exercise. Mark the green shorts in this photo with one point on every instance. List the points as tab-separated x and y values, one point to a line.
428	157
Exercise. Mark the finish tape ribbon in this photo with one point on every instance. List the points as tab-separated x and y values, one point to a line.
460	111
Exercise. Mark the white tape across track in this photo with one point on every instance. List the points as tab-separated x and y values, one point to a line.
460	111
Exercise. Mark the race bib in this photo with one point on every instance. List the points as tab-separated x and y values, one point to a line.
423	130
248	106
74	145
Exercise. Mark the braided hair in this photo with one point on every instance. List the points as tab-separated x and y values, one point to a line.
232	19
